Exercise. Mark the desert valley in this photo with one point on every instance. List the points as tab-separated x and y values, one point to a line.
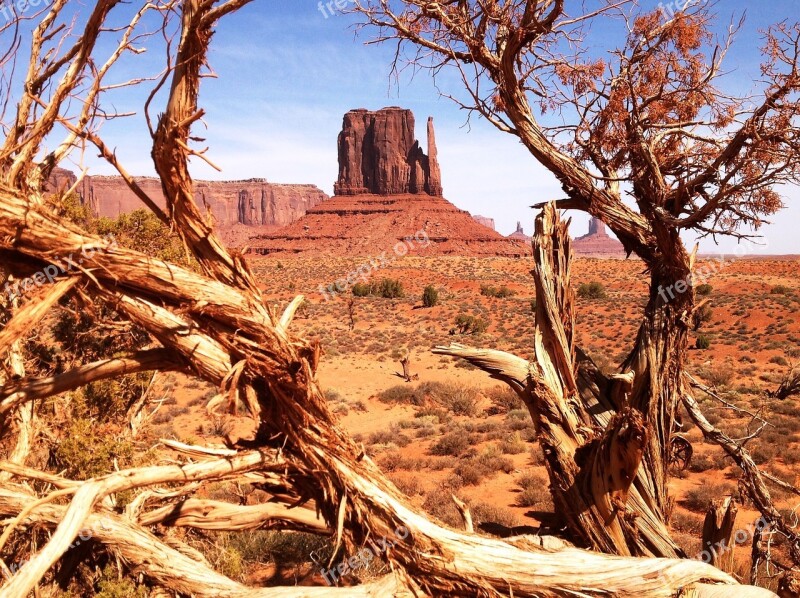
259	383
450	430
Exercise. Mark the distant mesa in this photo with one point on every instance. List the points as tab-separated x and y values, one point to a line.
598	243
519	234
388	191
485	221
245	204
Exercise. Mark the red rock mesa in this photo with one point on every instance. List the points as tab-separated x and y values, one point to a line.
485	221
251	203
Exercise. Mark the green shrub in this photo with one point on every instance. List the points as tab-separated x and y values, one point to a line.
466	324
111	586
702	342
430	296
390	288
387	288
499	293
779	290
704	289
361	289
592	290
702	316
88	450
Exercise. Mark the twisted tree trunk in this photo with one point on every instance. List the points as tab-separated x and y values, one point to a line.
593	432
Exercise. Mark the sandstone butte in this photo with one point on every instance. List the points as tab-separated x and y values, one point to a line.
238	207
598	243
519	234
485	221
388	191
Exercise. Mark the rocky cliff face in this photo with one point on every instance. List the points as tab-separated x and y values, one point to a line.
485	221
253	202
378	154
598	243
519	234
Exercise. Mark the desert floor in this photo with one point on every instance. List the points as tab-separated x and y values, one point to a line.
456	431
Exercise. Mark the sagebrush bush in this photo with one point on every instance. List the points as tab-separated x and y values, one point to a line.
402	393
513	445
503	399
698	499
704	289
535	491
360	289
466	324
499	293
702	342
430	296
88	450
451	444
592	290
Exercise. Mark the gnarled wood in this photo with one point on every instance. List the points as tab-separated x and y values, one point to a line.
718	529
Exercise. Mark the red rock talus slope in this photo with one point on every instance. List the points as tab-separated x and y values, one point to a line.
252	202
379	154
598	243
371	224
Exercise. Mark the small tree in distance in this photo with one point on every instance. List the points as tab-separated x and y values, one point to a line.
430	296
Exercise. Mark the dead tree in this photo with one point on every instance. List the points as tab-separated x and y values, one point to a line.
718	533
645	121
405	362
215	325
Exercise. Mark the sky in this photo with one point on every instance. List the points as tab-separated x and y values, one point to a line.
286	71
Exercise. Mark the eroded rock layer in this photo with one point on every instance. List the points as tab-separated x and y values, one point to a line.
252	202
372	224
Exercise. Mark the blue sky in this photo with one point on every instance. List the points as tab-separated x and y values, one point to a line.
286	73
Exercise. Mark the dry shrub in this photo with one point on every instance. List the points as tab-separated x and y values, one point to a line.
698	499
535	491
452	444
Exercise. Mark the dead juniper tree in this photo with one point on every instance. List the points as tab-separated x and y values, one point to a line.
645	138
214	324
